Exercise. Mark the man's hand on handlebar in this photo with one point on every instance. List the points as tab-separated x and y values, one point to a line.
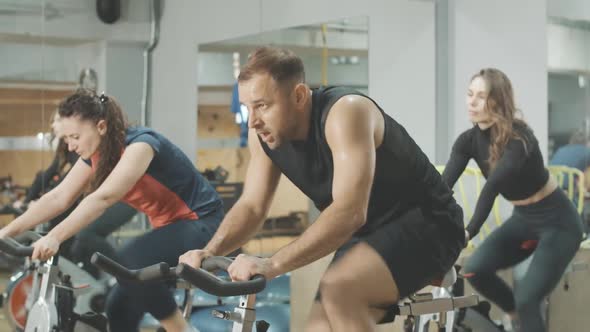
194	258
245	267
45	248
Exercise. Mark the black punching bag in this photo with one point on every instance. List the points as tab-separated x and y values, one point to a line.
108	11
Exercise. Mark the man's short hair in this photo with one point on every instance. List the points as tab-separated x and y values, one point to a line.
281	64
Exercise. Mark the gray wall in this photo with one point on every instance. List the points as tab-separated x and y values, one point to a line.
509	35
572	9
75	20
119	67
568	48
401	55
570	103
124	77
405	70
36	62
215	69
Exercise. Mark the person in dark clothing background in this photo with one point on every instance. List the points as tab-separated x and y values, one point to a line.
575	154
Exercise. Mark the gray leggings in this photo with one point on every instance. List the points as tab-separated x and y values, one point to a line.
552	230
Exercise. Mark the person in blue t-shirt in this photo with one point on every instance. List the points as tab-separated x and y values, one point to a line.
575	154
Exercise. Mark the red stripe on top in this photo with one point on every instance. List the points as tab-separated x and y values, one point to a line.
160	204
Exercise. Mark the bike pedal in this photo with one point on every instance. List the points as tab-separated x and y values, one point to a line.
421	297
220	314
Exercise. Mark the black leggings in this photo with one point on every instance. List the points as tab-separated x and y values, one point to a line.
128	302
93	238
552	230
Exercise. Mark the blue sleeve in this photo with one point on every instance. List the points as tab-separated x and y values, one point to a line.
148	138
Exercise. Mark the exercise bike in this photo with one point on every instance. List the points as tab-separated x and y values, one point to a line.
49	304
443	306
470	318
243	316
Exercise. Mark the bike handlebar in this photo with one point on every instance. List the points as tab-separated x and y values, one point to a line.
158	271
12	246
201	278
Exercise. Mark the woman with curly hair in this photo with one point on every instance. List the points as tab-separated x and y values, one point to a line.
142	168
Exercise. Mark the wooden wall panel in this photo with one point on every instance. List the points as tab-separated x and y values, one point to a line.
31	96
288	197
216	121
234	160
23	165
5	219
25	112
24	121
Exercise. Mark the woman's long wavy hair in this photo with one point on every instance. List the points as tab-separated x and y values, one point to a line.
61	151
61	154
501	107
88	106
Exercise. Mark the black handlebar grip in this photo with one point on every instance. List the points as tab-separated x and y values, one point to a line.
111	267
153	272
28	236
213	285
14	248
158	271
216	263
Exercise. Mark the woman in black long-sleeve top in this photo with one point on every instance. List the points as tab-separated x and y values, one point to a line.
50	177
543	222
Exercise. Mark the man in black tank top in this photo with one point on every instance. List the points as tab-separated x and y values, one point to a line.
385	211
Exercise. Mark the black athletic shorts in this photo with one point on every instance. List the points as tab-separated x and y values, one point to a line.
417	248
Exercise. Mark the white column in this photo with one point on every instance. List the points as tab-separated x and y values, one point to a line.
401	55
124	76
174	77
510	36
